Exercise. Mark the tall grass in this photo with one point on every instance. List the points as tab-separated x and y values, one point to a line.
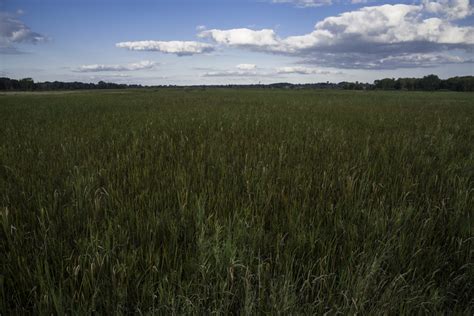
237	202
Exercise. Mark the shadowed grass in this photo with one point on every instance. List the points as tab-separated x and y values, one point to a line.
237	202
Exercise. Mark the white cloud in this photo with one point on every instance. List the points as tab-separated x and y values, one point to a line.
303	71
420	60
180	48
451	9
246	66
387	24
364	36
129	67
397	61
104	77
14	31
243	70
232	73
306	3
319	3
251	70
242	37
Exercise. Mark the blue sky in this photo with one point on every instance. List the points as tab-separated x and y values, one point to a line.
225	41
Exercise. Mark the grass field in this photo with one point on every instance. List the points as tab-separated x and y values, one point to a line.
237	202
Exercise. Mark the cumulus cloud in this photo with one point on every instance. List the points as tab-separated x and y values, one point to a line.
381	29
129	67
14	31
242	37
451	9
383	25
361	38
179	48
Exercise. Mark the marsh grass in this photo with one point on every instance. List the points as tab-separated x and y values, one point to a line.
237	202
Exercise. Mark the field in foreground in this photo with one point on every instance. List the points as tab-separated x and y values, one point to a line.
237	201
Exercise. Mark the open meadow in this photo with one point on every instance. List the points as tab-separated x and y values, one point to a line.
235	201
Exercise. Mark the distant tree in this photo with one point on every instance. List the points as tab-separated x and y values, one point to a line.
398	84
385	84
430	83
27	84
459	83
102	85
5	83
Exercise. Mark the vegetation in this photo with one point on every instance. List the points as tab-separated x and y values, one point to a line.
427	83
237	202
28	84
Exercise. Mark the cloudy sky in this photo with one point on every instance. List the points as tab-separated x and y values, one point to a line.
234	41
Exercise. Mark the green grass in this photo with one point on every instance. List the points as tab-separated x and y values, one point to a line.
237	202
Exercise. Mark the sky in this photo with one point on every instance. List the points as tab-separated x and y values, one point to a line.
191	42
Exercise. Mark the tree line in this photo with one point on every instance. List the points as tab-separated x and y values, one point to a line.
28	84
427	83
